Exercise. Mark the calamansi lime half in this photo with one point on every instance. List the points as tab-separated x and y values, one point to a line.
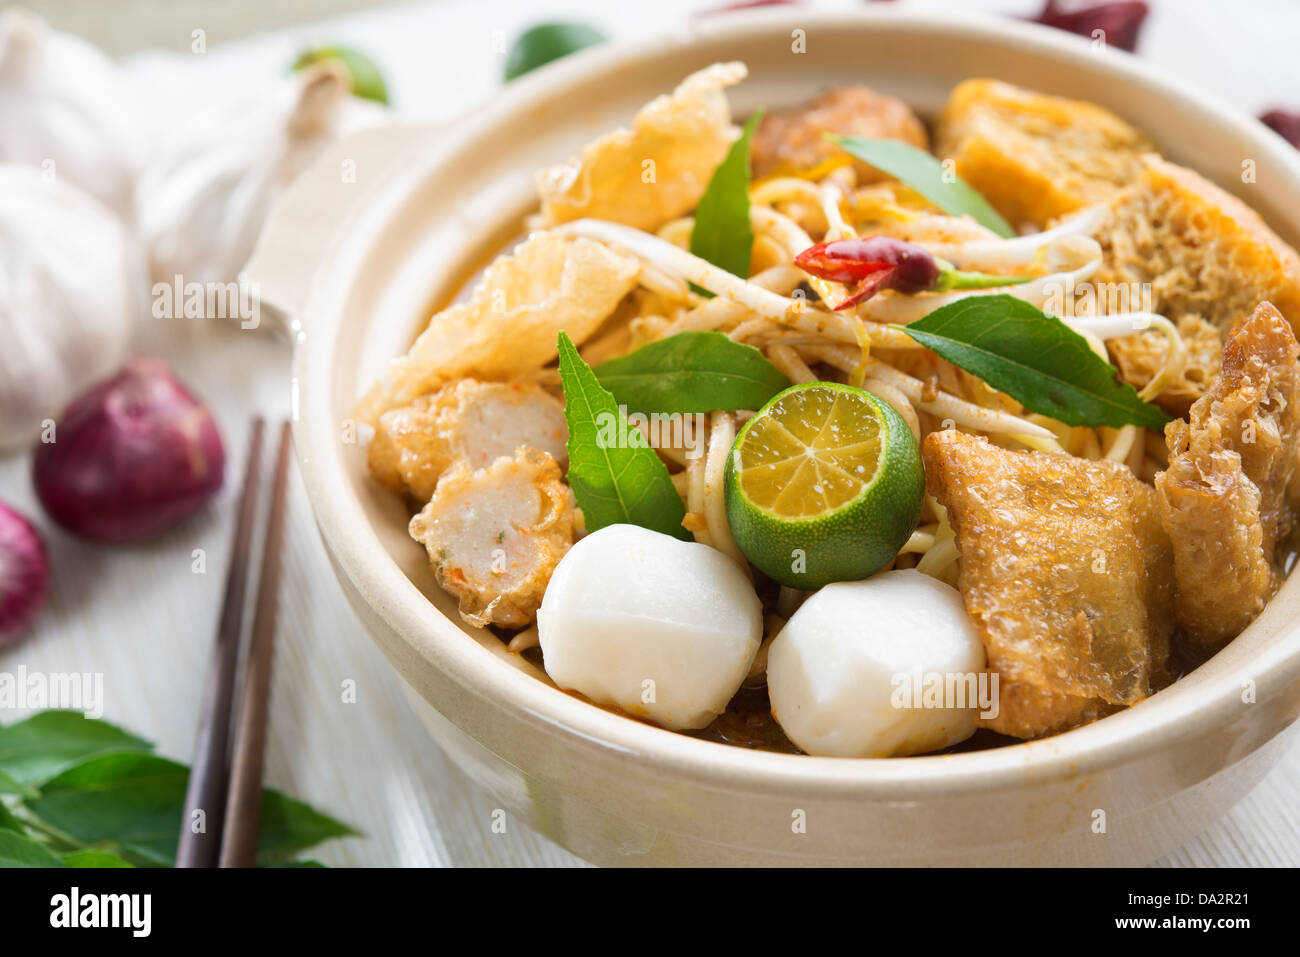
824	484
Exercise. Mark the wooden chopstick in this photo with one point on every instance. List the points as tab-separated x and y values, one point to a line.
200	836
244	799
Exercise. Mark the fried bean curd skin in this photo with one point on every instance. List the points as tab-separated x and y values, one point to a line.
509	325
793	141
655	171
1227	498
1036	157
495	535
466	419
1065	571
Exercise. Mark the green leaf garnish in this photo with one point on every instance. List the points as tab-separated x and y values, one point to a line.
922	172
692	372
18	850
722	234
92	795
616	477
135	801
7	820
94	858
49	741
1036	359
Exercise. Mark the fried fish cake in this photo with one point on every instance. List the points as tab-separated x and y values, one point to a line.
1227	498
466	419
1064	570
495	535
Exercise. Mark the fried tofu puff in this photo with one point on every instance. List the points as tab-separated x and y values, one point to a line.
794	140
466	419
494	535
1140	358
1065	571
1227	497
1206	260
1036	157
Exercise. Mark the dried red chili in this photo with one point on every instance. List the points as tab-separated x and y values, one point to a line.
870	265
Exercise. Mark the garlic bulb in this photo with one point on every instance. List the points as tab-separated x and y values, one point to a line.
72	283
201	203
65	107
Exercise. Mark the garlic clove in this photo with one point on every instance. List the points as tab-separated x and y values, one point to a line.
72	285
201	203
67	109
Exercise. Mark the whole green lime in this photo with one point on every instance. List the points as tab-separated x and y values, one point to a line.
824	484
545	42
367	82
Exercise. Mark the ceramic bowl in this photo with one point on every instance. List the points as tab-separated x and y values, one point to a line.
387	226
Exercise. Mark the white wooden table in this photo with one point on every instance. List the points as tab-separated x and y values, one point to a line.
144	619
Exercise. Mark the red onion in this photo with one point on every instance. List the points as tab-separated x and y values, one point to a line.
130	457
1120	22
24	574
1286	123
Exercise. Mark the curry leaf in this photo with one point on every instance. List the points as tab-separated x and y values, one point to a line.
616	476
1036	359
722	233
7	820
17	850
94	859
44	744
919	170
134	802
9	786
289	826
692	372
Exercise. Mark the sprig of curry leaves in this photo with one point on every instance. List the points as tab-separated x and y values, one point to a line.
1036	359
917	169
615	476
80	792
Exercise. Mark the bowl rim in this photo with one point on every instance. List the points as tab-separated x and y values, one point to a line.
1154	724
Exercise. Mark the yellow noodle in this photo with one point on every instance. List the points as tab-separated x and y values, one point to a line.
791	364
902	405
